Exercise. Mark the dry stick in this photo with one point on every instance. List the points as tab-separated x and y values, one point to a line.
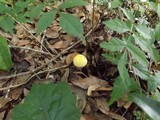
28	48
17	85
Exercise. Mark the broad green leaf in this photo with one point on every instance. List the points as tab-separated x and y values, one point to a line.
117	25
71	25
45	20
147	33
129	14
157	32
5	55
7	24
114	44
72	3
149	105
48	102
138	55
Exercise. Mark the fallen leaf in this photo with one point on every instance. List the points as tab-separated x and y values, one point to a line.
4	101
69	58
89	81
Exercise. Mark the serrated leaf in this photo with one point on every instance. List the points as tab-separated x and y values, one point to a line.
122	69
122	80
118	91
114	44
138	55
157	32
147	33
48	102
71	25
7	24
117	25
115	4
72	3
141	71
35	12
129	14
158	9
112	57
149	105
45	20
5	55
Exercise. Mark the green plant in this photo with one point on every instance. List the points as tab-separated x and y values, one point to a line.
5	55
30	10
132	51
48	102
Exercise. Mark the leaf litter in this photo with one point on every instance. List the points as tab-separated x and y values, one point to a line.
47	58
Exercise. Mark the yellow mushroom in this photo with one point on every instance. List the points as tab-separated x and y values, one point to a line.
80	60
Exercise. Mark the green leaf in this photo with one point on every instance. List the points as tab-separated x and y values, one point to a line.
138	55
147	33
158	9
141	71
115	3
157	32
112	57
149	105
123	80
71	25
72	3
118	91
48	102
117	25
35	12
114	44
7	24
45	20
129	14
122	69
5	55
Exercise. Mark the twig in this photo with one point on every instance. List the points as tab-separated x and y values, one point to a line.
17	85
28	48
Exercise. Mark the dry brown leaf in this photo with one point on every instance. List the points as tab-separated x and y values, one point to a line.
102	104
98	91
89	81
2	114
15	93
69	58
52	32
23	42
4	101
81	96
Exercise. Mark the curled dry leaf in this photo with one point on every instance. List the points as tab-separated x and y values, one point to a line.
69	58
85	83
97	91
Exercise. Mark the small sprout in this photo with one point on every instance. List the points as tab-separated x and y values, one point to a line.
80	60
